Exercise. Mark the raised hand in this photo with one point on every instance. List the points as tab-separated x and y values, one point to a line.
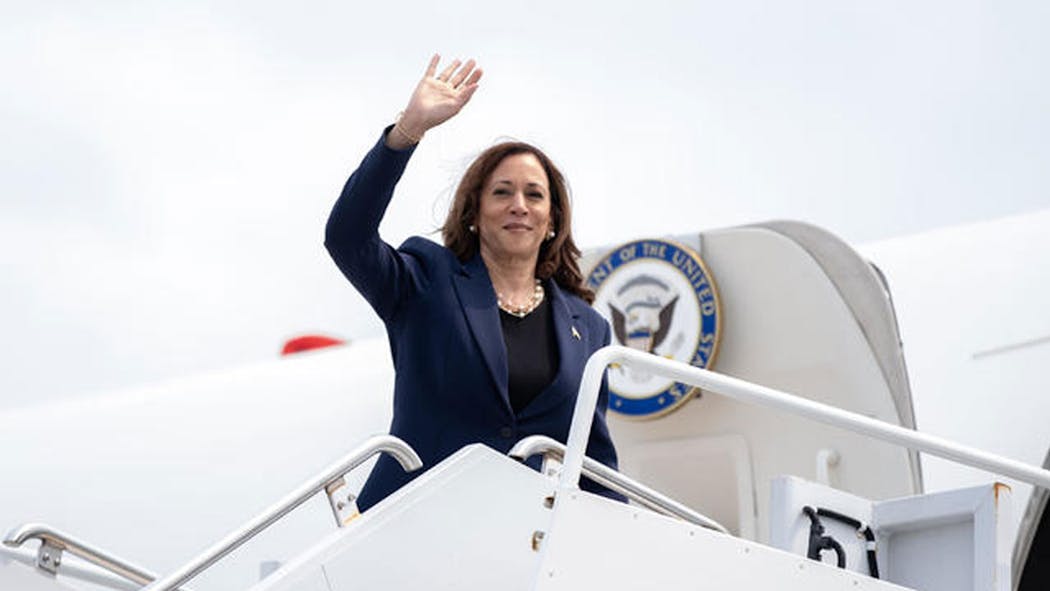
438	97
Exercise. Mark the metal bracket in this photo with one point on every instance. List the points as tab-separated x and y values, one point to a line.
49	556
551	467
342	501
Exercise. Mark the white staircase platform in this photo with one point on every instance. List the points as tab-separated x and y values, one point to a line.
480	520
596	544
466	523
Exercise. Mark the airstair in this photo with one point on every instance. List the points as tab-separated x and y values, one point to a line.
481	520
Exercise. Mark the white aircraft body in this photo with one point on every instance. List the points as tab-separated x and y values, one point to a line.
154	475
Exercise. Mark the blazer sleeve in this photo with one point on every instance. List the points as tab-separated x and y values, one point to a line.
385	276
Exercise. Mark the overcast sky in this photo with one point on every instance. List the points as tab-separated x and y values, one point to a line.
167	168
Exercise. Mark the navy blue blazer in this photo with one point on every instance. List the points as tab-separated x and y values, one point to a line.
443	324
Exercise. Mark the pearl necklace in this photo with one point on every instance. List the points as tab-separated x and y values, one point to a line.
523	310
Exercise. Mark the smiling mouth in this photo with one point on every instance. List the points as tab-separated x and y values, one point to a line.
519	227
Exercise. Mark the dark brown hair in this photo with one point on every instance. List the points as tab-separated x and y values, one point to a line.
558	256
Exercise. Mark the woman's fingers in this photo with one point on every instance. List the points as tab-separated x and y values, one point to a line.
432	67
462	74
468	91
447	72
456	74
474	77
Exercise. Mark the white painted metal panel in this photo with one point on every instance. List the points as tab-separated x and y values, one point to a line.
789	527
467	523
598	544
718	461
947	541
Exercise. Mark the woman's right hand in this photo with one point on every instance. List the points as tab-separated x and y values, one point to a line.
436	99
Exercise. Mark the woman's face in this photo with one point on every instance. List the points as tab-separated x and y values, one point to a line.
514	214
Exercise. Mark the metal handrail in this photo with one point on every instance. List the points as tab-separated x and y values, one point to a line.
613	480
397	448
63	541
750	393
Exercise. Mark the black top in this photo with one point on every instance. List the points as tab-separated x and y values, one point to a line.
532	353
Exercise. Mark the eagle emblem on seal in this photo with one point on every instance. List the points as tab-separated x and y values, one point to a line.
640	328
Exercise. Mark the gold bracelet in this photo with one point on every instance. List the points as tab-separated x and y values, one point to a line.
400	129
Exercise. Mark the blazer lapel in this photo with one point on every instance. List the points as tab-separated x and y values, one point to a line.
474	289
572	352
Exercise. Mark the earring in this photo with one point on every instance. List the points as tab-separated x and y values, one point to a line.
473	229
551	235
